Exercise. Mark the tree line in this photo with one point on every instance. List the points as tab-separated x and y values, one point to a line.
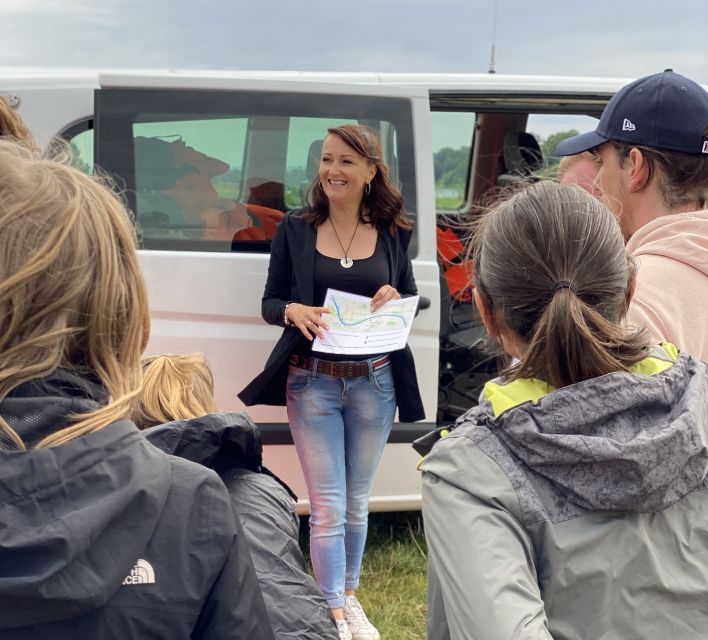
451	165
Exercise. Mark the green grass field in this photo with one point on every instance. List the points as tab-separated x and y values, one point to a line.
393	577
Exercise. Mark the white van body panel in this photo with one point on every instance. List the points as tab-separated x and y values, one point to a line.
210	302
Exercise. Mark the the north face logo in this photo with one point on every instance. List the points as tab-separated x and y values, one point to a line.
705	147
141	573
627	125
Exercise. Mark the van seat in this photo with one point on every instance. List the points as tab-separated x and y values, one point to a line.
521	158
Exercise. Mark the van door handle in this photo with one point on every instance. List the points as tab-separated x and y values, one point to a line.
423	303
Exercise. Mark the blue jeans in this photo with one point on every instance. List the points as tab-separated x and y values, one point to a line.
340	427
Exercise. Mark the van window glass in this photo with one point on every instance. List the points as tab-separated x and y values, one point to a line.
188	179
217	170
452	134
81	146
550	128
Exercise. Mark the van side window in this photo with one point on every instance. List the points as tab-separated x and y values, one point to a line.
217	170
189	180
80	139
452	134
550	128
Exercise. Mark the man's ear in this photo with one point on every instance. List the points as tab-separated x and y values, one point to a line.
639	172
485	313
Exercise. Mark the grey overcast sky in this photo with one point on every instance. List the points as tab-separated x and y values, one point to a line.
621	38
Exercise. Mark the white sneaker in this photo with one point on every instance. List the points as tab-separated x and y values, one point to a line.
359	625
343	629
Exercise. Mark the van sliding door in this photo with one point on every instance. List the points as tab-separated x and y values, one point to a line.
209	167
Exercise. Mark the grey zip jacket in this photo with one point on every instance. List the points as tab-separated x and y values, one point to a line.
576	513
107	537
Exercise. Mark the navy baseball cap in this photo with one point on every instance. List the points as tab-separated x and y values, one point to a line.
663	111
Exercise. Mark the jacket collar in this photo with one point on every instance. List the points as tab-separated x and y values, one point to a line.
503	396
41	406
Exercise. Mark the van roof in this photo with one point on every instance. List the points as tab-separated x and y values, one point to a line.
18	77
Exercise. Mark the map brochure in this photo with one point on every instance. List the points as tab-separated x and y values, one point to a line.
354	329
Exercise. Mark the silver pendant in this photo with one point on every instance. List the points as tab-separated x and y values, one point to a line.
346	262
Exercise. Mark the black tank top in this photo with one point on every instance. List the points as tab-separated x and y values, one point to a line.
364	278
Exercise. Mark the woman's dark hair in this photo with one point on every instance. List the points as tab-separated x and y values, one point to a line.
383	206
550	264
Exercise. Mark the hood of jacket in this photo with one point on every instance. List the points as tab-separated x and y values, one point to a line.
219	441
74	518
619	442
680	236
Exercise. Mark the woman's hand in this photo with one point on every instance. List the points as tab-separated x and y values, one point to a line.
383	295
308	319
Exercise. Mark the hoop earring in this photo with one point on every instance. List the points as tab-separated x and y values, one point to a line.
367	189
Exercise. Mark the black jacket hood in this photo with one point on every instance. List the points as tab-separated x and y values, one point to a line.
73	518
219	441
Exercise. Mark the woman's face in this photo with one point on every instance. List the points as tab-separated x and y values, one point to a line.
343	172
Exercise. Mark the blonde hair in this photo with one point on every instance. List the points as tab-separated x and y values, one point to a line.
175	387
566	162
71	292
11	125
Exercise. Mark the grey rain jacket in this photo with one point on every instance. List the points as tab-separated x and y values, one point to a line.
577	513
107	537
230	444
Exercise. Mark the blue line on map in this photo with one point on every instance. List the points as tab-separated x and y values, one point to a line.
351	324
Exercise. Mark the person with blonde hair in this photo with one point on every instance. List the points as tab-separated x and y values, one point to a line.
103	535
175	387
179	390
580	170
12	126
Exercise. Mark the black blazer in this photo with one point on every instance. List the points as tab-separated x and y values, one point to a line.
291	279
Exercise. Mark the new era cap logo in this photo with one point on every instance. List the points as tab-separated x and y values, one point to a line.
705	147
628	126
141	573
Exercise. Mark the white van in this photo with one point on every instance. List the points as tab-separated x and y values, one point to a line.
210	161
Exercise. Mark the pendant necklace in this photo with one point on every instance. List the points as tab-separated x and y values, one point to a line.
346	261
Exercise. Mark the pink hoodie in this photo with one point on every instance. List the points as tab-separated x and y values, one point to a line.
671	300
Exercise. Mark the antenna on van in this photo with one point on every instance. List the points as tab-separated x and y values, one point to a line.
492	60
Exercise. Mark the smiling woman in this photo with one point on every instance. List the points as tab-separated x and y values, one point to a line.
352	237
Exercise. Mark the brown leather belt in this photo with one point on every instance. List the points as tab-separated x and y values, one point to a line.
345	369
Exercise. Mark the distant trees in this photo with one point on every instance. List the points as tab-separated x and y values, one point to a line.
77	161
451	167
548	148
